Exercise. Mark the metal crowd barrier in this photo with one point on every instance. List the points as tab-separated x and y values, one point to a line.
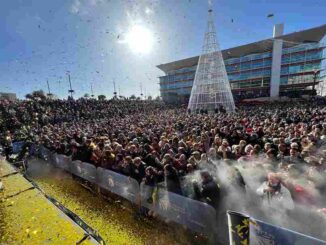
197	216
84	170
119	184
63	162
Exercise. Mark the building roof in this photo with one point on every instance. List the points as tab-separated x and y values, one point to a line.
292	39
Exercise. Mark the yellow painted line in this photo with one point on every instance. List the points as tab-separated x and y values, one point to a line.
6	169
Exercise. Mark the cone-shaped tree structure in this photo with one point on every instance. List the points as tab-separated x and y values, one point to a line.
211	89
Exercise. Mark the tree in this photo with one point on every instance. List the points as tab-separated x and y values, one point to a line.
39	94
132	97
158	98
149	97
101	97
36	95
29	96
86	95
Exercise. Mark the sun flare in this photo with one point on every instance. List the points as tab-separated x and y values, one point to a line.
140	39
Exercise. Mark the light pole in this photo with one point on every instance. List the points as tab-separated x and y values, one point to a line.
115	91
49	91
71	91
141	91
92	95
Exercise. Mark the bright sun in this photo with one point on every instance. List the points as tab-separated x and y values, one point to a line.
140	39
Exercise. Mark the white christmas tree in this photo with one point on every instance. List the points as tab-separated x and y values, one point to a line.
211	89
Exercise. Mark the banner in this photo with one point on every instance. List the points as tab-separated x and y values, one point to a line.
195	215
238	228
247	230
84	170
264	233
17	146
119	184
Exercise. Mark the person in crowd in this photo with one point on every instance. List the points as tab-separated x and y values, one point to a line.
172	179
208	191
138	169
274	193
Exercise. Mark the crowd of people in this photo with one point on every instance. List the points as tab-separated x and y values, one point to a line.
158	144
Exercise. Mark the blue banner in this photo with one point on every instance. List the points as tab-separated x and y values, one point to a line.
247	230
17	146
264	233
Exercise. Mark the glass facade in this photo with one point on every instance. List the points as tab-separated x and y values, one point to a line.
251	74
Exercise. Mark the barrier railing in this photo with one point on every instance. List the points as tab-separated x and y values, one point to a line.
63	162
119	184
84	170
197	216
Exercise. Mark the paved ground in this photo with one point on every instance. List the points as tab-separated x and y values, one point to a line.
27	217
115	220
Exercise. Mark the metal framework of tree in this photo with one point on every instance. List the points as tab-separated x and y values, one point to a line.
211	89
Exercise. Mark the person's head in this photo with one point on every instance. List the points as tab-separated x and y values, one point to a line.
203	157
273	179
128	160
167	159
236	148
267	146
137	161
181	150
150	171
182	158
248	149
217	141
205	176
190	168
270	154
294	152
242	143
294	145
225	143
196	155
304	142
282	148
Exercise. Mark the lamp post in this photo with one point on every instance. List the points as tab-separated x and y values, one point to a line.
115	91
71	91
49	94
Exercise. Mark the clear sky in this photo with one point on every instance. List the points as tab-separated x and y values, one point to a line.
93	39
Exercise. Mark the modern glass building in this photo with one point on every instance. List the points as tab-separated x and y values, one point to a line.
285	65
